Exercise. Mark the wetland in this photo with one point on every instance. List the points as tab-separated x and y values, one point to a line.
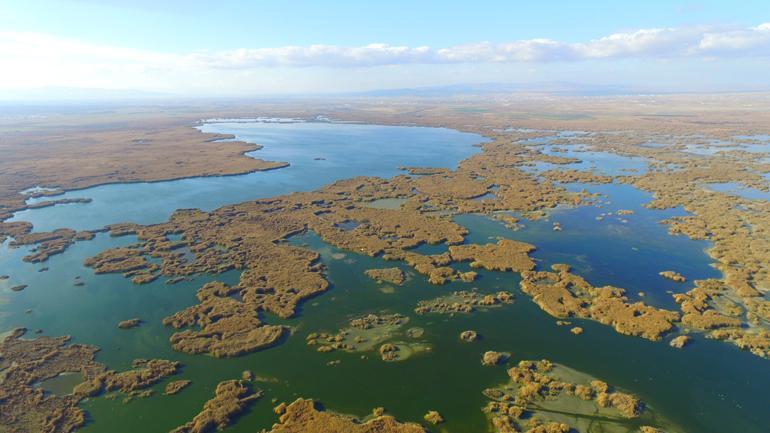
347	276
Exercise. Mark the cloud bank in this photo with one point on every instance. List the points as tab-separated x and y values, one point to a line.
663	43
40	60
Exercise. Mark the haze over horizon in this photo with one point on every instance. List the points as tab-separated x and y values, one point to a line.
145	49
384	216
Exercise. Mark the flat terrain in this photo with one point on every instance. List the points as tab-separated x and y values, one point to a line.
71	151
581	174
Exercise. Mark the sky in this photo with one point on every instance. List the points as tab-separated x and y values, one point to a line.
251	48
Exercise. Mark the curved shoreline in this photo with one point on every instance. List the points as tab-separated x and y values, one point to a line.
139	144
679	226
63	190
226	138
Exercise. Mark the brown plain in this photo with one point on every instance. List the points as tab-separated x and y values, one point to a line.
79	151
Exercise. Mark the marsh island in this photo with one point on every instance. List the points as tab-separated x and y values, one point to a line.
483	266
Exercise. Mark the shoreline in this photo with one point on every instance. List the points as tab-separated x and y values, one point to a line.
343	201
277	164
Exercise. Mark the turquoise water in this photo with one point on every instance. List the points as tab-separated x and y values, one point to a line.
348	150
709	387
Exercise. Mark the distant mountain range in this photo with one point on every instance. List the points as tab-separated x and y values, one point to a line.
554	88
77	95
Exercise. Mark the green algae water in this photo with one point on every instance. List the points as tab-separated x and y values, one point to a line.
708	387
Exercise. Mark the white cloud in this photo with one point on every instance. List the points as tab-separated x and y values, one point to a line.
533	50
645	43
38	60
753	41
641	43
315	55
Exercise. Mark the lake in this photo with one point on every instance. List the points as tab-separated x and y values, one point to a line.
707	387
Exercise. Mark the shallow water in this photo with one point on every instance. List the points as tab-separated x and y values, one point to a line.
707	387
680	384
386	203
747	143
733	188
62	384
590	160
347	150
625	251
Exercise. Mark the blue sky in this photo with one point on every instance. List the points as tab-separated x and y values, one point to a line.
245	47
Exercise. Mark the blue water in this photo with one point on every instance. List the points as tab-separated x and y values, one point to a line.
753	144
348	151
734	188
590	160
625	251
